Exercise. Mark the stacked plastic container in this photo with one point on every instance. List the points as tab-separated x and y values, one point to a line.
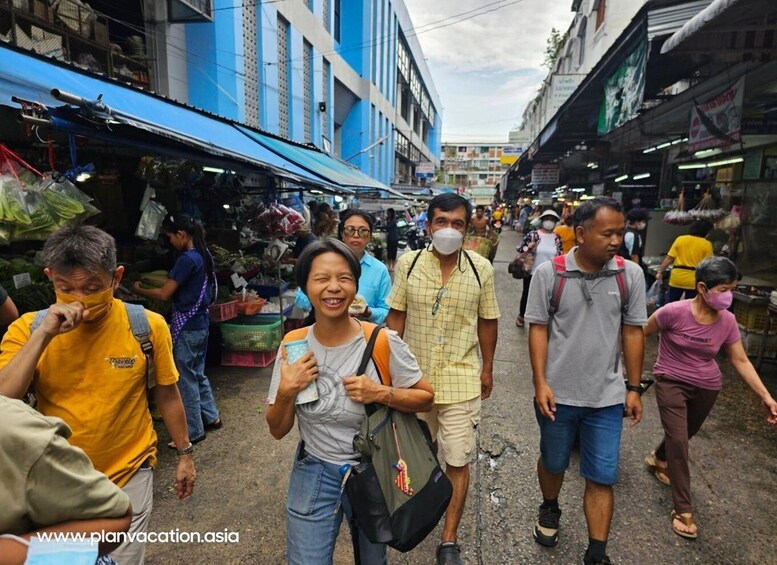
252	339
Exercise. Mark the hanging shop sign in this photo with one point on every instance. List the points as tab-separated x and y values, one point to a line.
510	154
424	170
544	173
624	92
718	122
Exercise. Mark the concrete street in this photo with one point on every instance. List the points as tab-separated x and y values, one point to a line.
243	475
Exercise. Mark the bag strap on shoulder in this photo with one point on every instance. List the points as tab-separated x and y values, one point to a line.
413	262
378	351
469	260
560	276
559	281
472	264
141	330
295	335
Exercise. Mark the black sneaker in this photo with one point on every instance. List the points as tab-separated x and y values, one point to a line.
546	528
602	561
448	553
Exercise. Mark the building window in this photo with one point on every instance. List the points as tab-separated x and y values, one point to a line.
601	9
307	77
283	77
309	4
325	9
337	19
325	90
405	106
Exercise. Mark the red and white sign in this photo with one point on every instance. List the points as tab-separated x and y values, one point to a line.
725	112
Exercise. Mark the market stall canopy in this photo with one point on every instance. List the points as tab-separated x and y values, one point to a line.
134	117
321	164
722	17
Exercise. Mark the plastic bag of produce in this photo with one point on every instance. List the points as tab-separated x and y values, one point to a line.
65	200
43	221
151	221
12	206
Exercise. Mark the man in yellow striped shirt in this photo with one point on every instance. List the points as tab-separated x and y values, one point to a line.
443	304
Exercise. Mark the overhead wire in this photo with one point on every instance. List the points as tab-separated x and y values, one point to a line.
414	32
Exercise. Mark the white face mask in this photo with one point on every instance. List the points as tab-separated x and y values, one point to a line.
641	226
548	225
447	240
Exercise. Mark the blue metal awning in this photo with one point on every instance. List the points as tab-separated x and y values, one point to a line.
32	78
334	170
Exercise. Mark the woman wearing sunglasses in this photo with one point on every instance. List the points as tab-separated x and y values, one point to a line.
374	283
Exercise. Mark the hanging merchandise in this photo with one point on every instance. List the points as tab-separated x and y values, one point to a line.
75	171
730	221
706	209
151	221
148	195
679	216
273	220
14	174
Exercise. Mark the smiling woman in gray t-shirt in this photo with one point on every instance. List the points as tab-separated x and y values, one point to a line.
328	273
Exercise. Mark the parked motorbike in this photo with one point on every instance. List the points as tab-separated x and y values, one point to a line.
415	239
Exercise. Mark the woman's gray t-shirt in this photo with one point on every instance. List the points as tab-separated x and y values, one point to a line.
327	426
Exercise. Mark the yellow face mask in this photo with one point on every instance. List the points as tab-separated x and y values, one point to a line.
98	304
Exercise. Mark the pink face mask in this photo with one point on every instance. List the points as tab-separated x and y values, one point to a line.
719	300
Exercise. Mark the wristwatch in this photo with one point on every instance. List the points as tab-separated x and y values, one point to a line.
635	388
186	450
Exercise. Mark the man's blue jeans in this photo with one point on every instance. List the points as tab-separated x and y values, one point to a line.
314	511
198	402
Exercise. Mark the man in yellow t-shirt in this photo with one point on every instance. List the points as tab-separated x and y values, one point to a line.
87	368
686	252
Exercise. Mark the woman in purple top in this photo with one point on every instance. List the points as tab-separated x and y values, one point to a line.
688	379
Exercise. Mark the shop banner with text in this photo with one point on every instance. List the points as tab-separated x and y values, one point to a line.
718	122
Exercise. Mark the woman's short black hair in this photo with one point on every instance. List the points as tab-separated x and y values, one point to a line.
713	271
313	250
701	228
637	215
350	213
447	202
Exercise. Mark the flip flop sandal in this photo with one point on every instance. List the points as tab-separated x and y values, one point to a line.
687	521
659	471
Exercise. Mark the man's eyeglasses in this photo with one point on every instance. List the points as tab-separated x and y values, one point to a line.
350	231
440	295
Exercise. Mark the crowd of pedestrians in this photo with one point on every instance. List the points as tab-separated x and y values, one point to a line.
91	361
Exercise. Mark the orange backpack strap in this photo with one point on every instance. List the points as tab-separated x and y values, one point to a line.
295	335
381	353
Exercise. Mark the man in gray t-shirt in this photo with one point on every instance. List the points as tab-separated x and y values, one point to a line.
576	364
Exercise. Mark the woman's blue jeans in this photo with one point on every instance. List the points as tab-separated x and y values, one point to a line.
196	394
314	510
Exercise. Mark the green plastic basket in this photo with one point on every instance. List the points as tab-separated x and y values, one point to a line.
251	338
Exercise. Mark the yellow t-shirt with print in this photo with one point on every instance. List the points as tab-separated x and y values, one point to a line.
688	251
94	378
567	235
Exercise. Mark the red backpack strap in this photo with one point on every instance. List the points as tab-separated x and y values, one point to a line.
381	353
623	288
559	269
